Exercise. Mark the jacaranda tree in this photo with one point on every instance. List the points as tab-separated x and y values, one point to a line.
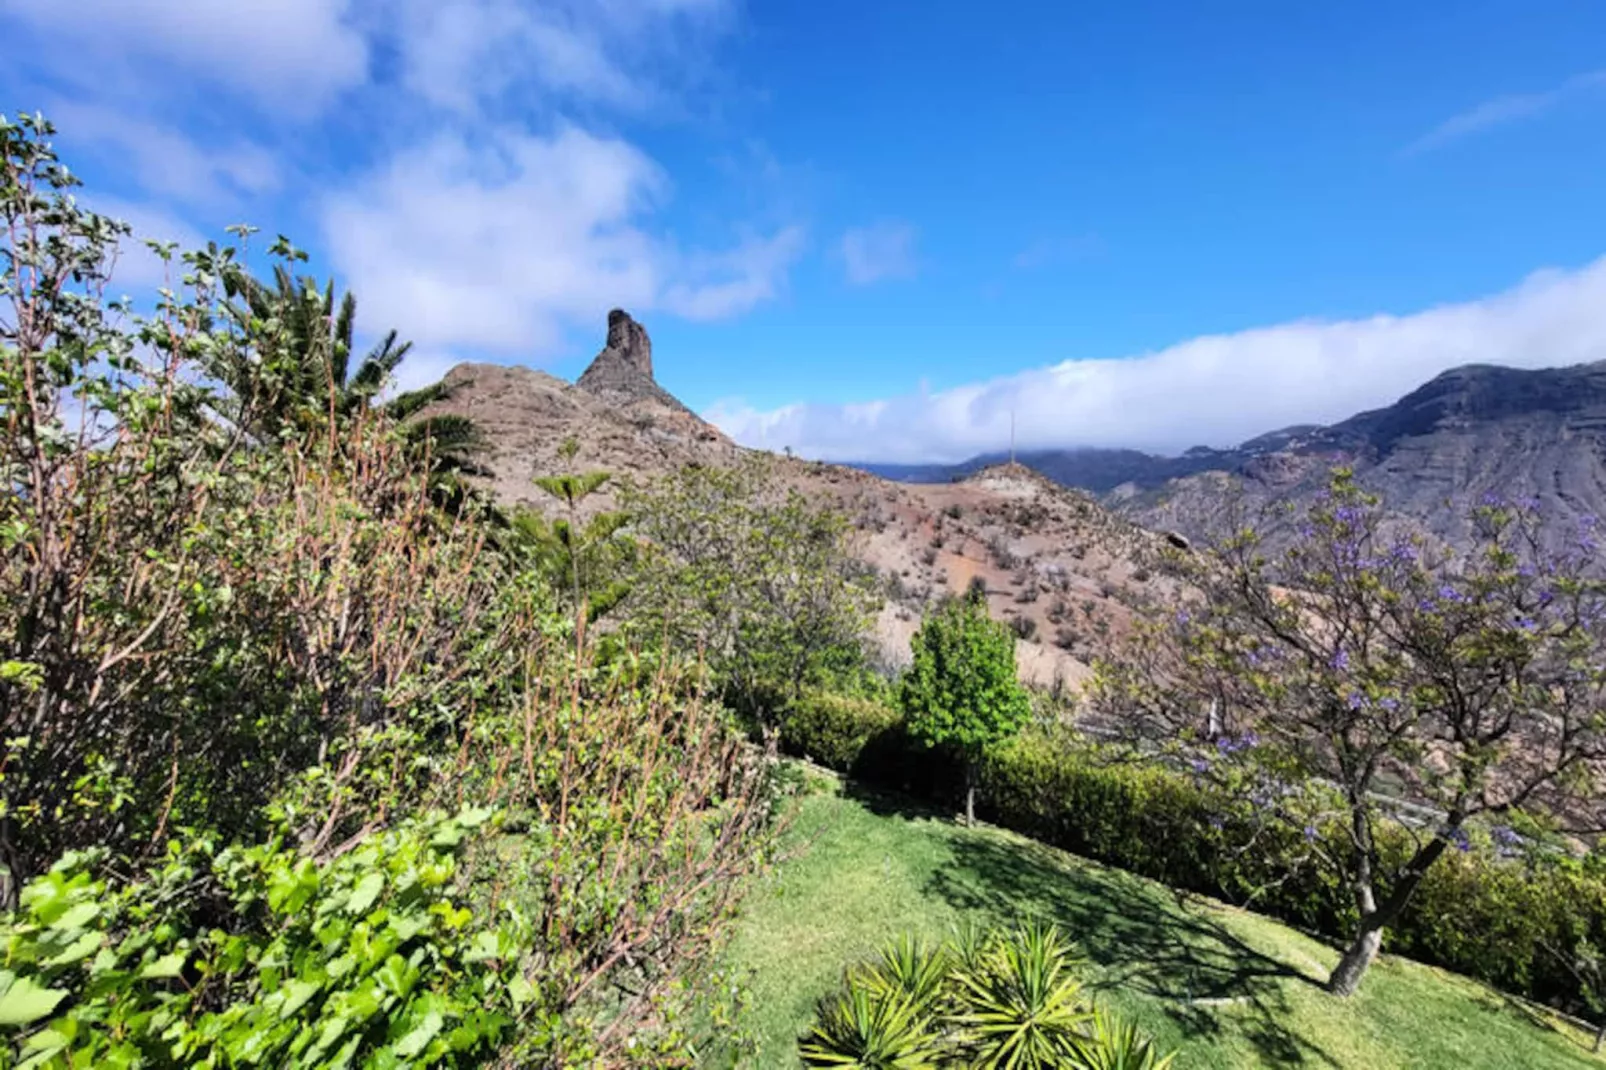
1360	666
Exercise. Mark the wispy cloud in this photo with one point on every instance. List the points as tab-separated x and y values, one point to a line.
1503	111
293	56
884	250
1217	390
1048	252
163	157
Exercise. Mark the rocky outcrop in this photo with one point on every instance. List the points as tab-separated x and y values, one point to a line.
622	372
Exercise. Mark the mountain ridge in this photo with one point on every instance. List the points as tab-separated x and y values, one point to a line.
1471	431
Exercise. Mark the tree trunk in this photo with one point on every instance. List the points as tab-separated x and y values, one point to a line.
970	793
1346	976
1599	1035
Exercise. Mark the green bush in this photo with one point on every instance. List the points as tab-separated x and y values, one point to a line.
1506	922
262	956
835	730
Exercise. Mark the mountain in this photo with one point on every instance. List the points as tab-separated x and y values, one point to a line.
1472	431
1072	573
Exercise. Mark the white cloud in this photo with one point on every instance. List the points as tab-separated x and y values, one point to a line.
163	158
467	54
1215	390
880	251
1502	111
495	247
294	56
488	211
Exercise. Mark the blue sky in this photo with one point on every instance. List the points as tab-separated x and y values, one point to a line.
874	230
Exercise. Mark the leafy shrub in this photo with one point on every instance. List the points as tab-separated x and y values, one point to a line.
1008	999
261	956
962	692
240	606
835	730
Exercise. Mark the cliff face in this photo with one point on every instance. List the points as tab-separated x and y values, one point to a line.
1471	432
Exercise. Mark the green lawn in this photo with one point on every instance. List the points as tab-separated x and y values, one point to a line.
1227	988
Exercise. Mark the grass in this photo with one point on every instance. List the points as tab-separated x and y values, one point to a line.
1226	987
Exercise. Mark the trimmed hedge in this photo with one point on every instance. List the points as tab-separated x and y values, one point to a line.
1492	920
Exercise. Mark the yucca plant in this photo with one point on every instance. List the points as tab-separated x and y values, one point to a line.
1003	1001
1115	1045
914	969
1023	1005
868	1026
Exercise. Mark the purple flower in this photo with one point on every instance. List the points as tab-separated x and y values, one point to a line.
1505	836
1390	703
1340	660
1458	839
1182	618
1215	821
1355	700
1403	553
1310	833
1492	500
1199	765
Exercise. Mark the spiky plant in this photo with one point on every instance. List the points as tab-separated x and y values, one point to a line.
1023	1005
918	971
869	1027
1111	1044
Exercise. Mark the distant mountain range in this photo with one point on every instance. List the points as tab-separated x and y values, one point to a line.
1472	431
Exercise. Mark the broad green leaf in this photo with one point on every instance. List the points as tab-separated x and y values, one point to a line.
81	948
413	1043
27	1001
367	890
296	994
170	965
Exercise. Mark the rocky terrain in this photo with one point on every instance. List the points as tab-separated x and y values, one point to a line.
1069	574
1473	431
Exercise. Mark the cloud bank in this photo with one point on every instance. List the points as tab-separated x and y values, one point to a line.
1215	390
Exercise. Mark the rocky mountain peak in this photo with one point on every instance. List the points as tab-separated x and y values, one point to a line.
623	370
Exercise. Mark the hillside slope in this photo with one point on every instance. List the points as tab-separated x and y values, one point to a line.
1072	572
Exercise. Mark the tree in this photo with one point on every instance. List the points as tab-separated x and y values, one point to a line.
576	554
1470	684
753	576
962	691
301	374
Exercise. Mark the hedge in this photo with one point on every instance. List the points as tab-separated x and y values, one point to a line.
1494	920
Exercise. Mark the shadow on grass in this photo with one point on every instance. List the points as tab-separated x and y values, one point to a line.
1140	937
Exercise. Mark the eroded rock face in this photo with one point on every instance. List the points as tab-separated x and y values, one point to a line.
622	372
